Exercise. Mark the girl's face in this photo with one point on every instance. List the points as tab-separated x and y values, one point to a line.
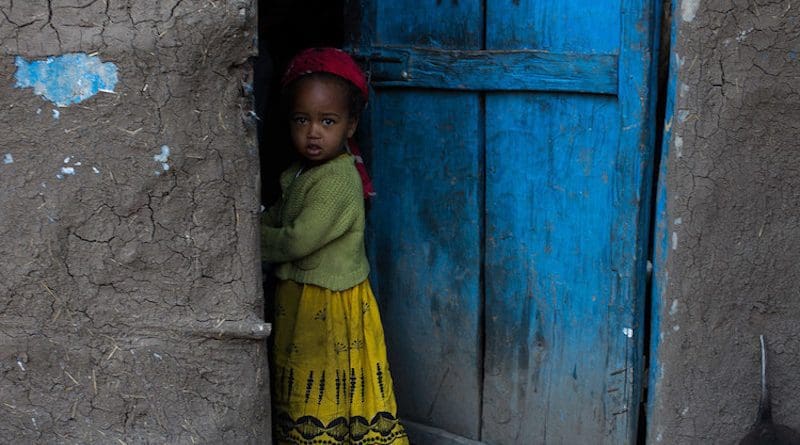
319	119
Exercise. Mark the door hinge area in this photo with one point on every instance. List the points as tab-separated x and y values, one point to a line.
384	65
488	70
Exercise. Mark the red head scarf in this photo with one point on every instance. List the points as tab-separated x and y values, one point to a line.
337	62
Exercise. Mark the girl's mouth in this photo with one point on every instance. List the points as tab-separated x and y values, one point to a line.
313	149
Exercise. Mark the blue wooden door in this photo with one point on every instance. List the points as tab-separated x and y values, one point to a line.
511	153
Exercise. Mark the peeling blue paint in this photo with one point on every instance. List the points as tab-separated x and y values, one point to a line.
163	158
66	79
8	159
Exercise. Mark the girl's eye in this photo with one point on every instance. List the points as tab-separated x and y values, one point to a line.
328	122
299	120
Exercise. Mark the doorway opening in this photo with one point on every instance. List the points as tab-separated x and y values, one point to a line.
284	28
287	26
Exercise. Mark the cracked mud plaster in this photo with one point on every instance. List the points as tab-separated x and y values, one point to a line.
734	186
130	301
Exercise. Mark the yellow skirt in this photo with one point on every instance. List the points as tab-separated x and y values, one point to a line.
331	384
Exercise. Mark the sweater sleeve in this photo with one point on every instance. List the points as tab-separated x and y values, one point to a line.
329	209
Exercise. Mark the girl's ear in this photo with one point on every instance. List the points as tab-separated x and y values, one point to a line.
352	124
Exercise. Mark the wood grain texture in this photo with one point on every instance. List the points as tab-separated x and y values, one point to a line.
424	232
574	26
434	24
550	282
568	180
424	241
496	70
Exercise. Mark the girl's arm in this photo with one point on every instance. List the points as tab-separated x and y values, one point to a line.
328	212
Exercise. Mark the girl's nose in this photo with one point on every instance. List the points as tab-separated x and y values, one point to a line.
313	130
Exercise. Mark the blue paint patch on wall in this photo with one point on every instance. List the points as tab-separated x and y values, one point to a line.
66	79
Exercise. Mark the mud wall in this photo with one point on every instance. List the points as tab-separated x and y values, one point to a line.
726	266
130	300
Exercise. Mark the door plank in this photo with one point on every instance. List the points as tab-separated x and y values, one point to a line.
425	242
563	307
549	278
424	228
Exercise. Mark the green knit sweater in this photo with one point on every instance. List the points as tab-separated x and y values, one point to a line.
315	232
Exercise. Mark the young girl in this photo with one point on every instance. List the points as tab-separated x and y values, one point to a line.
331	383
